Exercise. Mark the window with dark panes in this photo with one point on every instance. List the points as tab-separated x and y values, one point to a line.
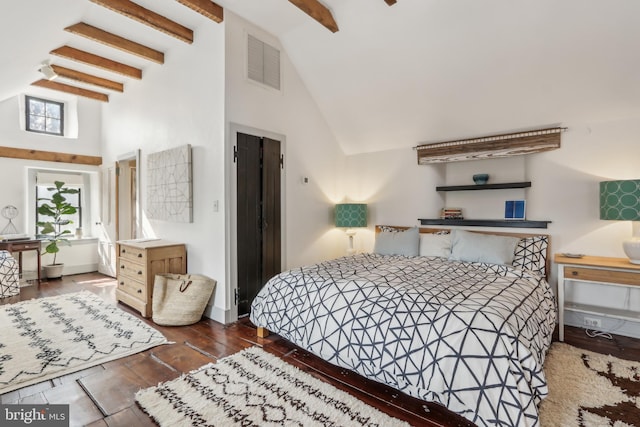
44	116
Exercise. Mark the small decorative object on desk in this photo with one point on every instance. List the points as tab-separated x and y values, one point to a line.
9	212
481	178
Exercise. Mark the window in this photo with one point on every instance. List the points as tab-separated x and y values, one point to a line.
42	191
44	116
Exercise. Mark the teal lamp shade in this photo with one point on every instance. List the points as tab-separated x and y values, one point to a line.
351	215
620	201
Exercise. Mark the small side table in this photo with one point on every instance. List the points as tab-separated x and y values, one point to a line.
599	270
20	246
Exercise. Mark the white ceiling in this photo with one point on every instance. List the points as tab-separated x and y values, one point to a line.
418	71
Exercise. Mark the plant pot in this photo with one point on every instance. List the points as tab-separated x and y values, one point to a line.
53	271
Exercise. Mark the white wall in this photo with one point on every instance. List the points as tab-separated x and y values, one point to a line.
310	149
14	172
564	190
397	191
181	102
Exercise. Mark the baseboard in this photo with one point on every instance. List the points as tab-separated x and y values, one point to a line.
218	314
77	269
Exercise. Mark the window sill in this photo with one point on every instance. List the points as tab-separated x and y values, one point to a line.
77	242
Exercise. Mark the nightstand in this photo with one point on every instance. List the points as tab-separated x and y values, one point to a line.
599	270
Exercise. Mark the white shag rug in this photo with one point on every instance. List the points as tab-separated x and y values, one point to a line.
588	389
49	337
255	388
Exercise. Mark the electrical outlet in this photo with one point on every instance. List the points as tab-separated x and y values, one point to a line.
590	321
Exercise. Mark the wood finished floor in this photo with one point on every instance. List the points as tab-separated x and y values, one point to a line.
104	395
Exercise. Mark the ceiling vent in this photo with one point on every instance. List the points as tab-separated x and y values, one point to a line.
263	63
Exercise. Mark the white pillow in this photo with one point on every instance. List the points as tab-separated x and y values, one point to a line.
478	247
432	244
398	242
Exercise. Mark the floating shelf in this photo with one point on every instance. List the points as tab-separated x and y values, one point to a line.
500	186
516	223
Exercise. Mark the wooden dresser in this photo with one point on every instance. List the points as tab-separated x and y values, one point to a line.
138	263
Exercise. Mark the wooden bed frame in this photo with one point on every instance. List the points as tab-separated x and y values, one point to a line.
263	332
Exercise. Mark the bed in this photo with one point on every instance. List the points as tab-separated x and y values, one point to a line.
460	318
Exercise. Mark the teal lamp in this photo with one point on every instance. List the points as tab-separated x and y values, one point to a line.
620	201
349	216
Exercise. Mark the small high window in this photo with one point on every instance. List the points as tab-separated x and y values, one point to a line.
44	116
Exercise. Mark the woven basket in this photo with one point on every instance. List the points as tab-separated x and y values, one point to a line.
180	299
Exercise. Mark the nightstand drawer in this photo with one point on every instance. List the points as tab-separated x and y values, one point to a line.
133	287
132	270
605	276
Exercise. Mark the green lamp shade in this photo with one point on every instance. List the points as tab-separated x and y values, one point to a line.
351	215
620	200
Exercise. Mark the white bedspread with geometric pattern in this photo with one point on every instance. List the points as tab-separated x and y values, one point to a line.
470	336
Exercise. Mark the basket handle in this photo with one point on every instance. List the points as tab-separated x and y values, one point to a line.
184	285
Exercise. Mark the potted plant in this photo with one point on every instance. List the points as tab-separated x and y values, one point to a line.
57	208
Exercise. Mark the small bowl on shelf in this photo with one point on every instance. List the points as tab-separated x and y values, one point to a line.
481	178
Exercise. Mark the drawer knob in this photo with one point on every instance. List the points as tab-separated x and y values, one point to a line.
121	283
139	272
139	291
139	255
122	266
124	250
574	273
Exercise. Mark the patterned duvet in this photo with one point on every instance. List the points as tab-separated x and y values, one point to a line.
470	336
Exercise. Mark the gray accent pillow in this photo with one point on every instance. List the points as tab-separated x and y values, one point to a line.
477	247
398	242
432	244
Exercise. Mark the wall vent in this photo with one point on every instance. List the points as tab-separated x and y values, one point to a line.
263	63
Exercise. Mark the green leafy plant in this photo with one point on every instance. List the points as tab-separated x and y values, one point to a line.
56	208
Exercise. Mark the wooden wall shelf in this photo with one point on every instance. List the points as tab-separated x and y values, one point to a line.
516	223
499	186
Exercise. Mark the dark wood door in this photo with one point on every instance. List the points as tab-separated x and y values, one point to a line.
258	215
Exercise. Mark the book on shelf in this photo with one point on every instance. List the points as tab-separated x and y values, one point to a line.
451	213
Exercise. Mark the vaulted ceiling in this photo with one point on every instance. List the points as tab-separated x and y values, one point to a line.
384	73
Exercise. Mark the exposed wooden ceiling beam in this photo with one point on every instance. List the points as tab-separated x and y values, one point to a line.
79	76
62	87
317	11
49	156
390	2
78	55
207	8
148	17
117	42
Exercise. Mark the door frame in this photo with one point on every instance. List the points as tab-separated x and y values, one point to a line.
111	210
231	211
124	191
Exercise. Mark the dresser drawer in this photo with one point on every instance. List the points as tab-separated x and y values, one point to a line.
133	287
605	276
133	253
131	269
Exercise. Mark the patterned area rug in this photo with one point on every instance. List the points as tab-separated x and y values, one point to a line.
588	389
50	337
255	388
